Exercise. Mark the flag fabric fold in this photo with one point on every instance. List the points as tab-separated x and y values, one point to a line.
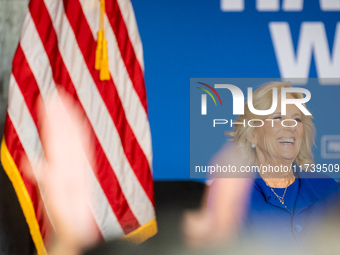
58	48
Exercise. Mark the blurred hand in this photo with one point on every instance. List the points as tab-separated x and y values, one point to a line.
216	223
62	178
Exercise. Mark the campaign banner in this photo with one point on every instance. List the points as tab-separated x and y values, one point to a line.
291	39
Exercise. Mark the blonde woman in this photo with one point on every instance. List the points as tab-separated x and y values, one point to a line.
282	205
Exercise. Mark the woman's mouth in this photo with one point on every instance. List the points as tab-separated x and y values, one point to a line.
286	140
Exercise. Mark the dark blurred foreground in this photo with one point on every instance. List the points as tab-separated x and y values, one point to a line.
172	198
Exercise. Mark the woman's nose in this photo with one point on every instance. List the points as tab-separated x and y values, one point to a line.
289	124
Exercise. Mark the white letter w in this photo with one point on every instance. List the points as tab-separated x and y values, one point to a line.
312	39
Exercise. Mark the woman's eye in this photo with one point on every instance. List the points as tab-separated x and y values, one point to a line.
277	118
298	120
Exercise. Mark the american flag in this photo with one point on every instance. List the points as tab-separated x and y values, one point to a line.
57	48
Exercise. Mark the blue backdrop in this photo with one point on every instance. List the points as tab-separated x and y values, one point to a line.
211	38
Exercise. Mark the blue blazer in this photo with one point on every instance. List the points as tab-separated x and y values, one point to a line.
267	222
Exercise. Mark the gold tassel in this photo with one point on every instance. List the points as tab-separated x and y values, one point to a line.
104	68
99	50
102	61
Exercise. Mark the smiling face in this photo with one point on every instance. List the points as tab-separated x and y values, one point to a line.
276	144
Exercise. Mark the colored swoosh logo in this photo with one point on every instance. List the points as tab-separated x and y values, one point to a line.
208	86
208	94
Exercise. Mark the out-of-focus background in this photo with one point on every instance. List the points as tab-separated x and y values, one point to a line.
14	234
12	14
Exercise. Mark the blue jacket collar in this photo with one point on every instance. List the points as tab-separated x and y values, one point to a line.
307	195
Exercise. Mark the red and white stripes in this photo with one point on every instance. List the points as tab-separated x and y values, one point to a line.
57	47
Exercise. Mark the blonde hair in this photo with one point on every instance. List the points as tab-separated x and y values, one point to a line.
262	100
